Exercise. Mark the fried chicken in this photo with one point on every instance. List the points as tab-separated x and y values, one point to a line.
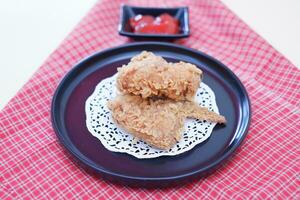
157	122
149	75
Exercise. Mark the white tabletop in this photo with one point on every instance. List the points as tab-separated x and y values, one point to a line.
32	29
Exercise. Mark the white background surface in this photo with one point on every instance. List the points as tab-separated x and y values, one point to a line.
31	29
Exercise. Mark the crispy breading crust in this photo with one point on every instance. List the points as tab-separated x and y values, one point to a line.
149	75
157	122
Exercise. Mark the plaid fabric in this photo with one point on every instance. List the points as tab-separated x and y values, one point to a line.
34	165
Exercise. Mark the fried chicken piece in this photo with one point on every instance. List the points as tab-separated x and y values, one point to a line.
157	122
149	75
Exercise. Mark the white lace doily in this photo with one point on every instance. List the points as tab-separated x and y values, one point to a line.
100	123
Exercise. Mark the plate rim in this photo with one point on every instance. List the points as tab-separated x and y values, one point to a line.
211	166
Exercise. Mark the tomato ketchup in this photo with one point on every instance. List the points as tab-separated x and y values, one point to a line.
163	24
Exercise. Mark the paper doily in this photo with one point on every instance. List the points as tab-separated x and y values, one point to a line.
101	124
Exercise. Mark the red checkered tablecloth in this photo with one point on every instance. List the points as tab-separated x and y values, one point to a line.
34	165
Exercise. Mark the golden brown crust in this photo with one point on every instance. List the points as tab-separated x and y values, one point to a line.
149	75
157	122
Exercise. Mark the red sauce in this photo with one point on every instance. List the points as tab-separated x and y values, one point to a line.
163	24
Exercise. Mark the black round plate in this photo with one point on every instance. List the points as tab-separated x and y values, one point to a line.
68	118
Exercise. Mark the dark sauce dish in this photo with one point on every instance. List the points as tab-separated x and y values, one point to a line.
180	13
